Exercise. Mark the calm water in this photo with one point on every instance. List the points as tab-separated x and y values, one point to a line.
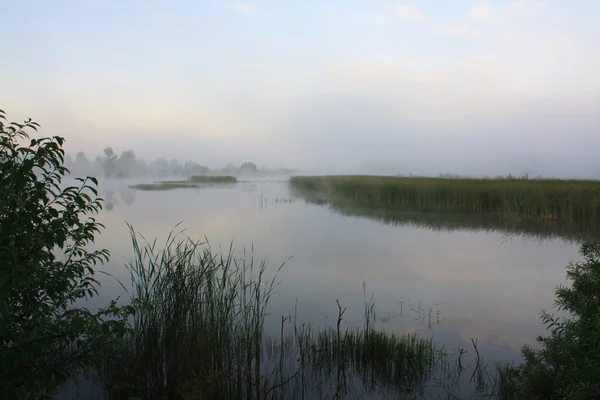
453	285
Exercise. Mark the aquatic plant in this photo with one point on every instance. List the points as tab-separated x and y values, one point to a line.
213	179
166	185
201	321
193	182
564	200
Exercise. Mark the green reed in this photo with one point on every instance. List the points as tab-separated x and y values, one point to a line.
213	179
200	323
193	182
164	185
564	200
199	333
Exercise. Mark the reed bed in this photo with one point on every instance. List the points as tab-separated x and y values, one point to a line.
198	333
200	321
164	185
541	230
213	179
194	181
531	199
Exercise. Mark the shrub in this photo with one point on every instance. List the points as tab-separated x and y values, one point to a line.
567	366
46	266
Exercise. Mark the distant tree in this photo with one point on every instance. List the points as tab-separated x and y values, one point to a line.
175	169
82	165
125	164
140	168
98	165
110	162
248	167
160	166
230	168
192	168
69	163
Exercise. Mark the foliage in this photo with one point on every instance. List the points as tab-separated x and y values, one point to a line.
44	337
547	199
567	366
201	323
126	163
110	162
213	179
248	167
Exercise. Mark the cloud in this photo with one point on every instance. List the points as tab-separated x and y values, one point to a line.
524	8
457	28
485	12
410	13
241	8
482	11
476	23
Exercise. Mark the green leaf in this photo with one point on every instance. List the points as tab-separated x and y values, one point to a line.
4	278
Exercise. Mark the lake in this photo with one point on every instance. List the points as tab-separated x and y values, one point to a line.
453	285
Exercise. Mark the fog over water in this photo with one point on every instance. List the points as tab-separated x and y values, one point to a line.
261	90
469	87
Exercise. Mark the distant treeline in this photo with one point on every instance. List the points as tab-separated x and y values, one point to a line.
128	165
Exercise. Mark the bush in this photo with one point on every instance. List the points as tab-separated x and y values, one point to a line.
567	366
46	267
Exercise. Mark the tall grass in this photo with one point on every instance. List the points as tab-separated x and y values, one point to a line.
213	179
201	320
564	200
541	230
198	333
193	182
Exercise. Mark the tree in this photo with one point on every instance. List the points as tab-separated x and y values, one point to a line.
248	167
126	163
45	337
110	162
160	166
567	366
82	164
175	169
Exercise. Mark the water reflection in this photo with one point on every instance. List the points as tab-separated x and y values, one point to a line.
461	275
127	195
450	222
109	199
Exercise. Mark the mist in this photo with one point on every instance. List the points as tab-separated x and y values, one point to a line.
482	88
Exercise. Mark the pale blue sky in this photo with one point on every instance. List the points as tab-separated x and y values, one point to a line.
423	84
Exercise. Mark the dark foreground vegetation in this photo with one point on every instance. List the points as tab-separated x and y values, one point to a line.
194	181
193	327
527	199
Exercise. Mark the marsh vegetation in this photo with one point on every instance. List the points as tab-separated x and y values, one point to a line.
194	323
194	181
525	199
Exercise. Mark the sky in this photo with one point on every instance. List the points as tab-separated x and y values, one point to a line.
374	86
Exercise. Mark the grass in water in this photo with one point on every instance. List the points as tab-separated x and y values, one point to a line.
461	221
527	199
201	321
194	182
166	185
213	179
199	333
